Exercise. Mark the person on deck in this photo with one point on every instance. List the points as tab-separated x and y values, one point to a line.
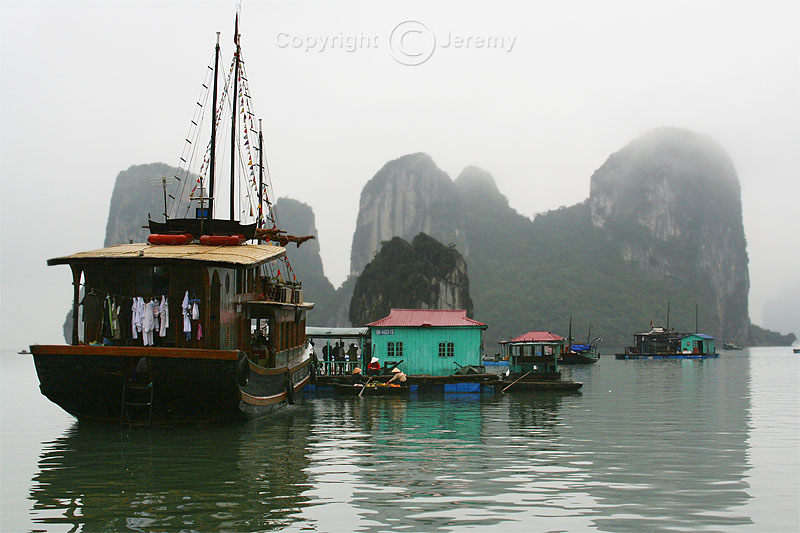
374	367
399	378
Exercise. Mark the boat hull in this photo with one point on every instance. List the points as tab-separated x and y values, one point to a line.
187	385
541	386
576	359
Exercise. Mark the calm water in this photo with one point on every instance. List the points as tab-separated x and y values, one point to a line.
648	445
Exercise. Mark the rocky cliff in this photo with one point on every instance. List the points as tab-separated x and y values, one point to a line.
423	274
671	200
662	224
298	219
137	192
407	196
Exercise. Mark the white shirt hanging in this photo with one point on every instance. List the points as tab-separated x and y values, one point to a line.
163	311
187	323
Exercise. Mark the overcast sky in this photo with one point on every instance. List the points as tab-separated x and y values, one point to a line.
537	93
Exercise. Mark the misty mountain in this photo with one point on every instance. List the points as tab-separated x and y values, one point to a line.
137	193
409	195
662	225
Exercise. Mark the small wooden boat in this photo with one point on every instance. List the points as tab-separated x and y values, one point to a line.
580	354
372	389
731	346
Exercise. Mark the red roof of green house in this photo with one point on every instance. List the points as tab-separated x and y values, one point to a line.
537	336
426	318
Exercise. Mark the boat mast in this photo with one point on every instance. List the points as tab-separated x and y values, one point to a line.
569	348
667	317
260	176
213	136
234	97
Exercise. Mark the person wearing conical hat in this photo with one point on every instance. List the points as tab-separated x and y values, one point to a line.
357	376
398	377
374	367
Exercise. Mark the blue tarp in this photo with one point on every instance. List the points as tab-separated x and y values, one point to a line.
581	347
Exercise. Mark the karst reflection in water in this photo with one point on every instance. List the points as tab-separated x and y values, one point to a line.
645	446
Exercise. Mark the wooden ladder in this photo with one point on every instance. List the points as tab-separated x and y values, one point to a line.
137	398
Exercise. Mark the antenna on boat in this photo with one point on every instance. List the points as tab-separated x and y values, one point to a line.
667	316
589	335
213	137
164	188
234	97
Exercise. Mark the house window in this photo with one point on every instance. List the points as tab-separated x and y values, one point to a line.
451	349
442	349
390	350
399	349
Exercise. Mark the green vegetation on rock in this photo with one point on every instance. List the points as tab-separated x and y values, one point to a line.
423	274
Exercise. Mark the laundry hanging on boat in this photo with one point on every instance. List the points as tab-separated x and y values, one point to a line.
187	322
116	330
134	315
163	311
148	324
105	327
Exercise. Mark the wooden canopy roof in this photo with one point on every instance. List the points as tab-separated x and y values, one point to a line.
246	255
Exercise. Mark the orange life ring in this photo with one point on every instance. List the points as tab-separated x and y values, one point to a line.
178	238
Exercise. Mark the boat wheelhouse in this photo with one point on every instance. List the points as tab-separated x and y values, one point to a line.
533	362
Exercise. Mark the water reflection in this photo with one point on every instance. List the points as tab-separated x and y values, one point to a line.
647	446
217	477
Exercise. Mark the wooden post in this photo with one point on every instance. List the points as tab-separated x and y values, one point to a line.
76	292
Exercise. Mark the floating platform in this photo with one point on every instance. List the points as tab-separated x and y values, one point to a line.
469	383
666	356
545	385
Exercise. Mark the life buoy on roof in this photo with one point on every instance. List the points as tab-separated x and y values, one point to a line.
222	240
169	238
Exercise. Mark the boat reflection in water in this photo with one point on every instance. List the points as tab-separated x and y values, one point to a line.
243	477
645	447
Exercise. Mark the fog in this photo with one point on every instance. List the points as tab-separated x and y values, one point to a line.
538	94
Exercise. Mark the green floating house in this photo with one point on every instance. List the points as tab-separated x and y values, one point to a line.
698	344
433	342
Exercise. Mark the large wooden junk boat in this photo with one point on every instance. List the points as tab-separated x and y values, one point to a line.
533	363
198	324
